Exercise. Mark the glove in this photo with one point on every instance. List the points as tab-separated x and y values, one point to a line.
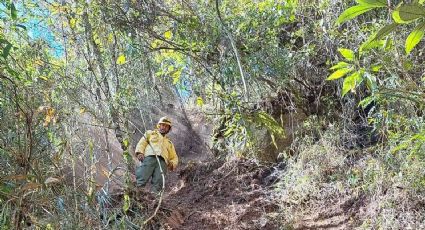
171	167
140	156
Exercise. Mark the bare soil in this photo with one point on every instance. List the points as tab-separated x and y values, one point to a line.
215	195
236	195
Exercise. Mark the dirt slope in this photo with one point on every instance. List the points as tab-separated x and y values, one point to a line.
214	195
240	194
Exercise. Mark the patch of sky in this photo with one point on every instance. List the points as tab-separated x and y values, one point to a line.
35	20
37	29
184	88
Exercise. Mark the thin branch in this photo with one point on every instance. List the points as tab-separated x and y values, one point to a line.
235	50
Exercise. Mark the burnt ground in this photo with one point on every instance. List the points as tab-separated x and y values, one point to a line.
237	194
217	195
214	195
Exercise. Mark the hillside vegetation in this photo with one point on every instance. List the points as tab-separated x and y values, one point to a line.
288	114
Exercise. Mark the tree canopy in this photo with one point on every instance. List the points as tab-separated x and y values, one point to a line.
270	76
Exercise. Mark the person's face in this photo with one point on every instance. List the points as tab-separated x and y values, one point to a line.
164	128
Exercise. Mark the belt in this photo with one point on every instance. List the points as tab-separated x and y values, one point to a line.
159	156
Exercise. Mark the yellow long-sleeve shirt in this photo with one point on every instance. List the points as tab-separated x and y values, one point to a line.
153	143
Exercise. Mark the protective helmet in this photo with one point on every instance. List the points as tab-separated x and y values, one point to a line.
164	120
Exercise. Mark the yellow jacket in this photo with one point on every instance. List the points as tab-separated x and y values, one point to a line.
153	143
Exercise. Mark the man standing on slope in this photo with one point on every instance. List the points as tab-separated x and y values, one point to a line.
155	146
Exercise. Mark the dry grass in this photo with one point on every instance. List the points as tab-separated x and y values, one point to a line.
325	186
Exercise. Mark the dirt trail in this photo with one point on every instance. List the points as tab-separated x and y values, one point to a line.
236	194
206	194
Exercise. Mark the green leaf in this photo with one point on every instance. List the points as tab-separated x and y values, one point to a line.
370	81
168	35
410	12
384	31
407	65
228	132
13	72
4	41
353	12
199	101
7	188
6	50
274	140
21	26
376	68
43	78
370	45
121	59
347	53
266	120
176	76
375	3
72	23
415	37
127	156
396	17
13	11
338	74
339	65
351	82
365	102
388	44
126	204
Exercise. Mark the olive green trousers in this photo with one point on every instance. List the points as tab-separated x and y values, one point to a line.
150	169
